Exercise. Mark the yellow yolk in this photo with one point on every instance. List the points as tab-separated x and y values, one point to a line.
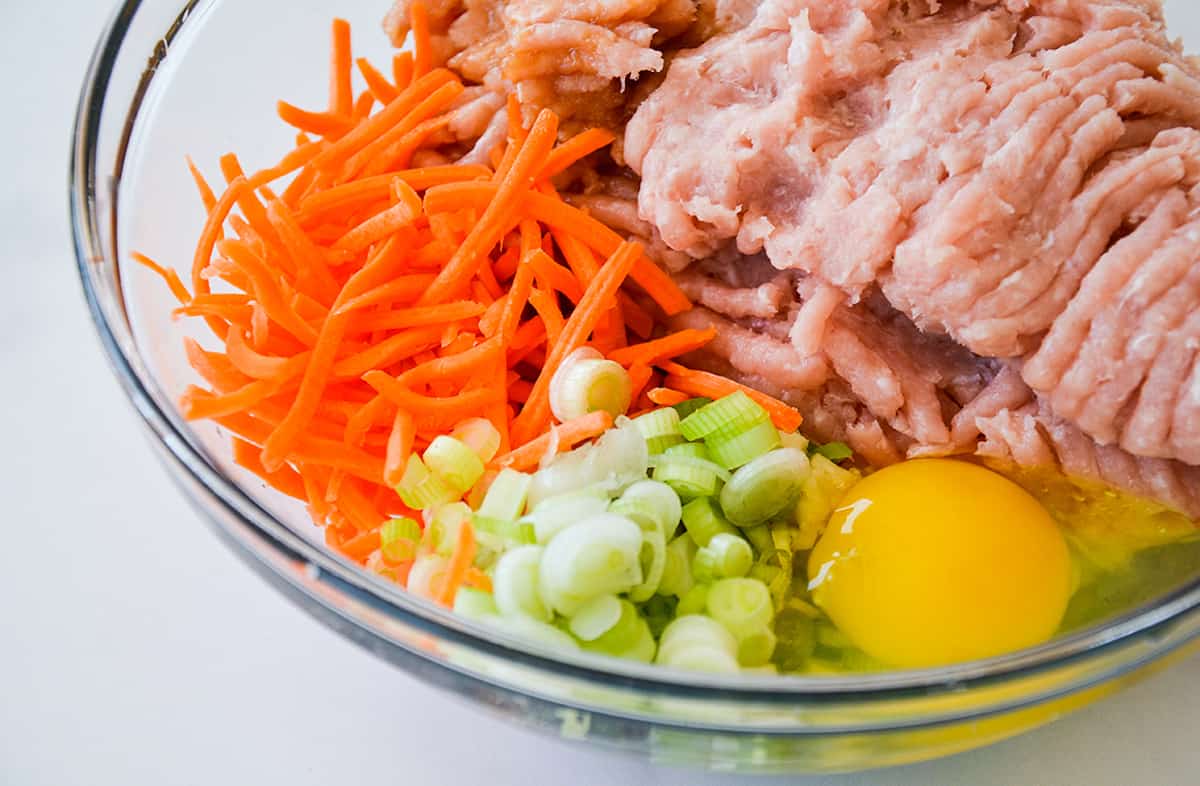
937	561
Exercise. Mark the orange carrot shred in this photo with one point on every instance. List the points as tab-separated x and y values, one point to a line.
577	147
493	223
599	297
377	83
341	99
703	383
319	123
206	193
399	446
285	479
168	275
418	21
402	70
666	397
460	562
664	348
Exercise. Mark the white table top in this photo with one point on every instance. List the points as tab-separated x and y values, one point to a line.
137	650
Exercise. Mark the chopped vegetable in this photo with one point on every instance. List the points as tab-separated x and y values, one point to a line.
436	360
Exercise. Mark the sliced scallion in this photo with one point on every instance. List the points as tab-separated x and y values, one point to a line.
426	575
515	583
834	451
760	538
731	414
556	514
446	521
743	605
725	556
687	469
696	642
502	533
629	637
398	539
587	382
756	648
455	463
660	428
702	520
687	407
765	486
733	450
597	556
695	600
505	498
595	618
420	489
653	505
480	435
653	559
474	604
677	571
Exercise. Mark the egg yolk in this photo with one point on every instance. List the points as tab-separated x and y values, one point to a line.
936	561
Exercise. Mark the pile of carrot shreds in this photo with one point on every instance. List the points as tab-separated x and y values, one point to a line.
371	305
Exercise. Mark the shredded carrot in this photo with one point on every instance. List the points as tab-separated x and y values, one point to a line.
399	446
639	377
580	145
168	275
500	209
365	306
666	397
418	22
402	70
341	98
460	562
362	106
664	348
206	193
285	479
599	297
319	123
703	383
377	83
477	579
565	437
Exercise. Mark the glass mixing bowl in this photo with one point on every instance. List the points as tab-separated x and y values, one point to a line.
171	79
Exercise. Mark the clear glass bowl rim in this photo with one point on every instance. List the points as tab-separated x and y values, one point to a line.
1149	621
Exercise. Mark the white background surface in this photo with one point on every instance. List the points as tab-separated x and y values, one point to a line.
134	649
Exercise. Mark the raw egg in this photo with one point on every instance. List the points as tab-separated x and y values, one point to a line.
937	561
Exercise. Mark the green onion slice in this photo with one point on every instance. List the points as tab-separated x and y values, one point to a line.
515	583
652	505
743	605
765	486
475	604
598	556
677	570
725	556
653	559
733	413
740	448
702	520
505	498
595	618
586	382
421	489
455	463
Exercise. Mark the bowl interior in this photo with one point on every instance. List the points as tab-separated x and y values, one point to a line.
215	92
